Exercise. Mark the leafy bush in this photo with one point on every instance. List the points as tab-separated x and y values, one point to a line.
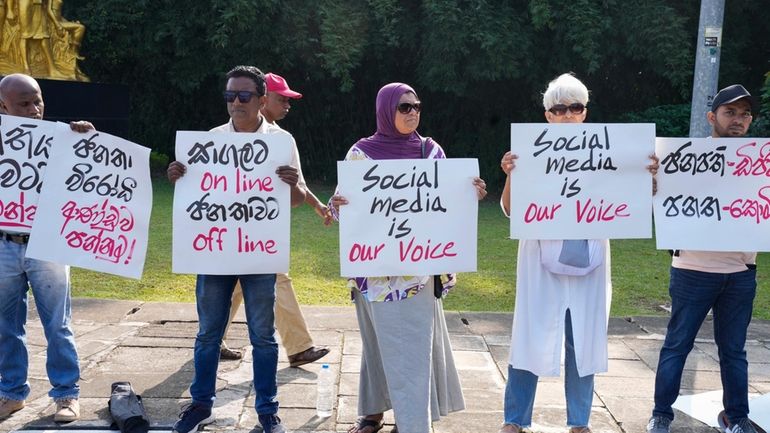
761	125
669	120
477	65
158	164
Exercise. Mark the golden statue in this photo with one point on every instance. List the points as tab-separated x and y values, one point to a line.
36	39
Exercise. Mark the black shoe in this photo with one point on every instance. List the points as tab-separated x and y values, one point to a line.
193	416
271	424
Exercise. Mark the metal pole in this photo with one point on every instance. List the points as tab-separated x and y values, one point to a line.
706	77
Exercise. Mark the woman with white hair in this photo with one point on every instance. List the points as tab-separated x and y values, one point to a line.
563	292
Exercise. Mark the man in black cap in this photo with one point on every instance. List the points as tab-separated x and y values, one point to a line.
721	281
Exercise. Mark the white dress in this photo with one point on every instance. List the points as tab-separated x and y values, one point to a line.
542	300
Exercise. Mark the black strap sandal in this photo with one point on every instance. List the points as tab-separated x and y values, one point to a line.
362	423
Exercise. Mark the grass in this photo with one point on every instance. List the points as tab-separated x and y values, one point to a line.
639	271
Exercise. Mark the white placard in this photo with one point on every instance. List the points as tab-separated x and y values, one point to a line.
24	148
408	217
705	407
94	209
581	181
231	211
713	194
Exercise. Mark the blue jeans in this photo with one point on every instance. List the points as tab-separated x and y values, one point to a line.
213	294
693	293
522	385
51	288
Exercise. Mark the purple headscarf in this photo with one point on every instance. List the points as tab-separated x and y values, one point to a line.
387	142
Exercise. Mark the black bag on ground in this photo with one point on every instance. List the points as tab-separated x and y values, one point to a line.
127	409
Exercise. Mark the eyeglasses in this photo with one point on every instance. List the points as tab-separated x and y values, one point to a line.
406	108
243	96
561	109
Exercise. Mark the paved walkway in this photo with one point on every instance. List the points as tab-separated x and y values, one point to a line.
150	344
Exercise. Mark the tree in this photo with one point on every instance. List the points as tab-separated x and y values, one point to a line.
477	65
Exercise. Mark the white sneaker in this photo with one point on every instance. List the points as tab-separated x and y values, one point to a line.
67	410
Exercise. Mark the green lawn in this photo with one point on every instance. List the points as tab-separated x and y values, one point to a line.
640	272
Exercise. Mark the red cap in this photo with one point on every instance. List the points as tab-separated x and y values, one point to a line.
278	84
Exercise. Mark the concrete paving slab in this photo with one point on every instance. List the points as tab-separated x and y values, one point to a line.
468	342
498	340
179	330
161	312
698	381
154	342
335	318
500	353
143	359
150	345
481	379
465	360
630	369
35	336
759	331
489	323
618	349
327	337
611	387
102	310
619	327
148	385
465	422
308	373
455	322
755	351
109	332
759	372
351	364
348	384
352	343
88	348
483	400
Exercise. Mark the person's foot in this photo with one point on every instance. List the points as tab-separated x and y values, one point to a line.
271	424
510	428
367	424
659	424
67	410
743	426
193	416
8	406
229	354
307	356
584	429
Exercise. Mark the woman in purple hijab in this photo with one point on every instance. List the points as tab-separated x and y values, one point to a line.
420	384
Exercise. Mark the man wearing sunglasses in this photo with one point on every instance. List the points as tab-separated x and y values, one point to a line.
289	320
245	96
720	281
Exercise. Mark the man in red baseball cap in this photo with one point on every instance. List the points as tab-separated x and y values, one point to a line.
289	321
279	97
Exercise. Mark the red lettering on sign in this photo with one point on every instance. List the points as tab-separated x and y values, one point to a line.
419	252
539	213
591	212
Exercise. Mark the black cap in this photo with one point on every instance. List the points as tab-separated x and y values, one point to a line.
731	94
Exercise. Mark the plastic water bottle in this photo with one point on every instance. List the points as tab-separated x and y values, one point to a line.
326	396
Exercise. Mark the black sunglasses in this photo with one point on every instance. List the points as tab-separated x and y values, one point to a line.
405	107
243	96
561	109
